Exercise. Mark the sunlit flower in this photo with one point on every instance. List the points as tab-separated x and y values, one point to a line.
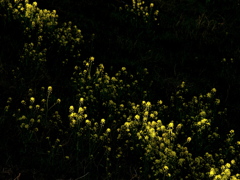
137	117
214	90
88	122
49	89
209	95
26	126
91	59
71	109
189	139
165	168
66	157
212	172
23	102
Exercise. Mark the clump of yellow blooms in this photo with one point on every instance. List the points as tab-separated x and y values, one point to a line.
143	10
43	38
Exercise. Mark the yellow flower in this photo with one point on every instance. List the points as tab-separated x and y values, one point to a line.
202	113
217	101
23	102
165	168
148	104
146	113
80	110
81	100
151	5
71	109
127	124
179	126
37	106
189	139
209	95
159	102
31	120
152	115
108	130
233	162
66	157
182	85
227	172
26	126
170	126
162	128
49	89
213	90
123	69
91	59
228	165
212	172
88	122
102	122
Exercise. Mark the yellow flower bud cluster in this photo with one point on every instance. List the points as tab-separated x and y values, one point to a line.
77	118
140	9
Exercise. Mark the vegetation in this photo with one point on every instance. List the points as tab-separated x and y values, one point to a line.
119	90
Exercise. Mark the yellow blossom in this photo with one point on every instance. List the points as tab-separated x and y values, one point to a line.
123	68
137	117
233	162
217	101
23	102
102	122
182	85
214	90
32	100
170	125
160	102
26	126
209	95
165	168
202	113
212	172
66	157
88	122
49	89
71	109
80	110
228	165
